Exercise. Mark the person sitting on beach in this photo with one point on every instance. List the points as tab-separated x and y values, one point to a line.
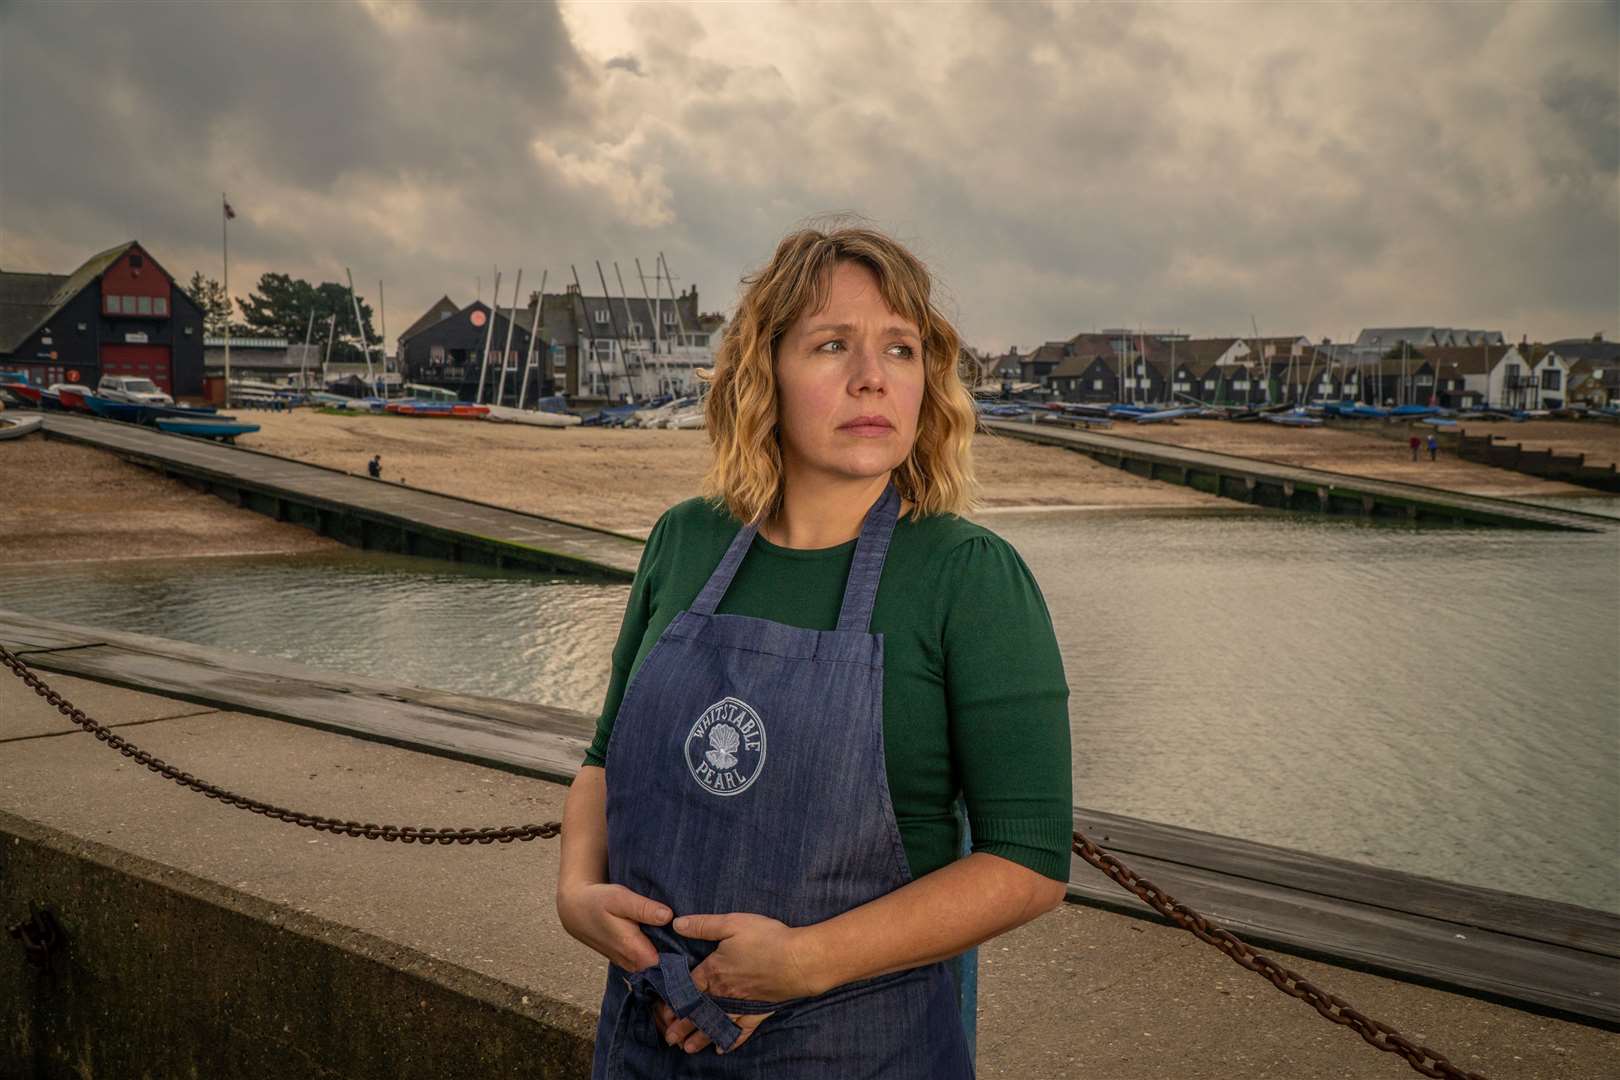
374	466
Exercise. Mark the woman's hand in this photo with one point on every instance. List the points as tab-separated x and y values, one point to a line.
758	958
609	918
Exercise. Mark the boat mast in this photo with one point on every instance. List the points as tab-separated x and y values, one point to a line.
303	361
489	335
658	335
382	342
511	325
365	346
629	323
534	337
618	338
590	335
331	332
680	320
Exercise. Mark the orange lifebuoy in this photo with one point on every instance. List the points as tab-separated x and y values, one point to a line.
73	375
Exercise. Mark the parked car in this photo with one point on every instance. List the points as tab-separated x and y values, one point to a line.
132	388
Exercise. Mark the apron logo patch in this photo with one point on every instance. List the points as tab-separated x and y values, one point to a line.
725	748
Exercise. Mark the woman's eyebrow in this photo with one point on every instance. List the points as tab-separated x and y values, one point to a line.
849	328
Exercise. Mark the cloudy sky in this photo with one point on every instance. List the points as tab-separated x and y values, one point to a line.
1060	167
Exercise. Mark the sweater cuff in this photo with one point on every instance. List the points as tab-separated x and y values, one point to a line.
1043	845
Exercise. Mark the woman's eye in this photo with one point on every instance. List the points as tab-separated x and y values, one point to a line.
829	346
902	350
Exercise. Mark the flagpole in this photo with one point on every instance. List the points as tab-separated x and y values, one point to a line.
225	257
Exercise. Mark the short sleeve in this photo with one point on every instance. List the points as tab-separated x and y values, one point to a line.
637	613
1008	703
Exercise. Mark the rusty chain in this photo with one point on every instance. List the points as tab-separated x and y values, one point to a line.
1378	1034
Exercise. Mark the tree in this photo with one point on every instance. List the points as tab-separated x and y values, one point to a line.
209	295
280	306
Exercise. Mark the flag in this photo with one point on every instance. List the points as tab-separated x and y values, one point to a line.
229	213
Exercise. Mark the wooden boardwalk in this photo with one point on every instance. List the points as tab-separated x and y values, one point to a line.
1530	953
1291	487
363	512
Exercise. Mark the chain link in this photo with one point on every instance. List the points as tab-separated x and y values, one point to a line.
1426	1061
407	834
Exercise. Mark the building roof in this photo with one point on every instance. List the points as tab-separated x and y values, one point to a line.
1463	360
28	300
1387	337
443	308
1603	353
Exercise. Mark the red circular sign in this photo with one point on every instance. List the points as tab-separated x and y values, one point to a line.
73	374
479	318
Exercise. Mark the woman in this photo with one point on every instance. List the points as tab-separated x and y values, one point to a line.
817	659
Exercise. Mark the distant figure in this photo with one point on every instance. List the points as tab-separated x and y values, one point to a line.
1434	448
374	466
1414	442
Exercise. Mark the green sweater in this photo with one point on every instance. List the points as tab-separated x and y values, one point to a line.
974	697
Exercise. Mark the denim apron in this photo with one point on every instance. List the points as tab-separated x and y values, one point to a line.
745	773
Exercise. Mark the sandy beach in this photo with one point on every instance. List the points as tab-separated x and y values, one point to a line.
67	503
73	502
624	479
1381	450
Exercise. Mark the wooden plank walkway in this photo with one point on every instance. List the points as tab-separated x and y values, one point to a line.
1530	953
361	511
1291	487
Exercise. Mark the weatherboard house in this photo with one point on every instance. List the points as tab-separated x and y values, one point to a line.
120	313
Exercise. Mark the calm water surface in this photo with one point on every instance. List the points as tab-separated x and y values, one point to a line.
1445	702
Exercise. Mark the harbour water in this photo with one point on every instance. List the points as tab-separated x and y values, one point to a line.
1445	702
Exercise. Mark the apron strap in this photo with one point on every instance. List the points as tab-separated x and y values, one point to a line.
719	581
672	981
860	591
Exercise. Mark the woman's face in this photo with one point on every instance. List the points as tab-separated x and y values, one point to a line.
849	382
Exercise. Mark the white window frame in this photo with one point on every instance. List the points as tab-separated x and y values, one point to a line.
600	315
1096	384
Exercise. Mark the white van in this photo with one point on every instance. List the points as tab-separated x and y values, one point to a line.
132	388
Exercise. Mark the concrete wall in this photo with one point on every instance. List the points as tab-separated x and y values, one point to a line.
167	975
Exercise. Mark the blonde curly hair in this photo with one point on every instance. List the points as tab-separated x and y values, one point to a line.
740	410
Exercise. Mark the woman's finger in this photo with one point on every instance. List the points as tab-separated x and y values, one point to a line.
628	905
749	1024
663	1016
679	1030
696	1042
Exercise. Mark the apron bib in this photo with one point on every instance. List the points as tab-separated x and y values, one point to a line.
746	773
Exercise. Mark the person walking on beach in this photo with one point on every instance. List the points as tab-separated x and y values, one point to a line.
374	467
1414	442
1434	447
761	841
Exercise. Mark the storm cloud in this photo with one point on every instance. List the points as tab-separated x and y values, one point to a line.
1064	167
